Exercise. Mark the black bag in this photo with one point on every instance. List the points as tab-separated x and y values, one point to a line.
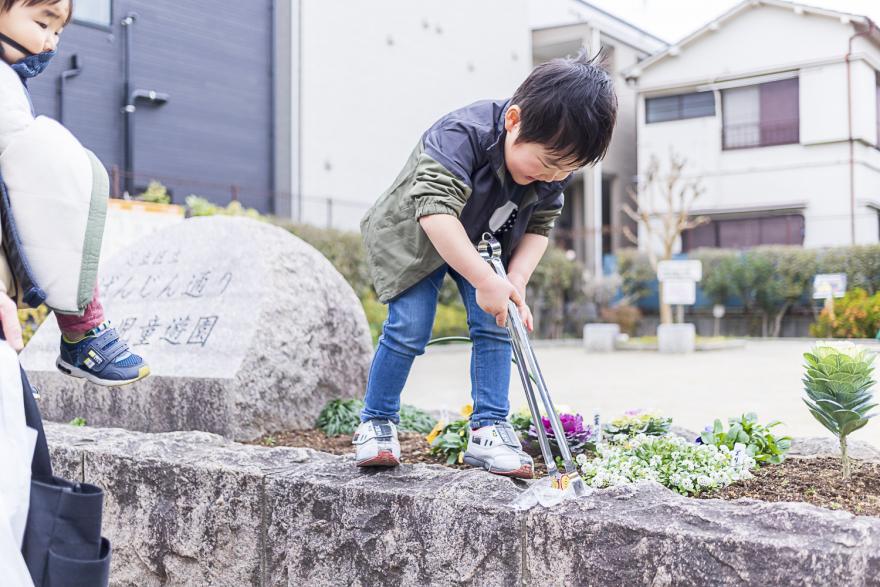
62	545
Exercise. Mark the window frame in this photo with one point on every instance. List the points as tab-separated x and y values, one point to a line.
680	99
93	24
761	129
716	226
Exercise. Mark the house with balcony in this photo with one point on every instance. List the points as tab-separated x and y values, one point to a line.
774	107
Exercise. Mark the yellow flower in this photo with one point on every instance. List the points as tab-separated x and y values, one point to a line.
466	411
438	428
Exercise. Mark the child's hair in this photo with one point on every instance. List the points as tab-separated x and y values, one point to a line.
568	106
5	5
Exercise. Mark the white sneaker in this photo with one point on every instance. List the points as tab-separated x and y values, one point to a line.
376	444
497	449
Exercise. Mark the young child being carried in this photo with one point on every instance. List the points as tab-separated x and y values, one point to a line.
29	34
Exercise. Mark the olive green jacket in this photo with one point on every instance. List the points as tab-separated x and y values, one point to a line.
457	168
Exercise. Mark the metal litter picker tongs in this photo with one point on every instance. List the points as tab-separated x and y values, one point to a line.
530	374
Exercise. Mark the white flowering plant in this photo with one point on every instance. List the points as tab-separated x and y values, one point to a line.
672	461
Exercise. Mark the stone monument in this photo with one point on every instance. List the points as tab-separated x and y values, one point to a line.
248	330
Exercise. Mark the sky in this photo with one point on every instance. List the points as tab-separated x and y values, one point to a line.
672	20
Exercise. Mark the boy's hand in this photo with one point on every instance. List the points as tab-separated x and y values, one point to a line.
11	325
519	282
493	294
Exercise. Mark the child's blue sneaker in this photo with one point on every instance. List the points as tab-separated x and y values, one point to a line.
102	358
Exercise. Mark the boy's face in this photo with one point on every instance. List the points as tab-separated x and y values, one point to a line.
37	28
529	162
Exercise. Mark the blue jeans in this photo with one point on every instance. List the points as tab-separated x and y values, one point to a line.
405	334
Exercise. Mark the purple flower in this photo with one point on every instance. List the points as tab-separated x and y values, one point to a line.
576	433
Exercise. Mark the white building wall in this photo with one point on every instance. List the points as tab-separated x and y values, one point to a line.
823	104
375	75
760	39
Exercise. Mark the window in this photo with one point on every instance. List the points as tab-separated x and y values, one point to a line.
761	115
679	107
877	103
93	12
741	233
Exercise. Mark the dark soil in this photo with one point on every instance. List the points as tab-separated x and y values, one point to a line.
413	447
818	481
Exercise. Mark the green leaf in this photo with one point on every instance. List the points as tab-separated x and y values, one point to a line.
852	426
829	405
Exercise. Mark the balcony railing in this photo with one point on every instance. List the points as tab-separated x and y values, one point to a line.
761	134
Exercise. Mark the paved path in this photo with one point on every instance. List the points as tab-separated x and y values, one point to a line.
764	377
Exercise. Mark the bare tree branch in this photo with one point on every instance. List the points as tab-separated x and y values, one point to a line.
677	195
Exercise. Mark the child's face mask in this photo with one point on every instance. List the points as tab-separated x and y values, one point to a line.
33	64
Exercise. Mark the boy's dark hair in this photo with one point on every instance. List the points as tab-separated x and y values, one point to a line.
568	106
7	4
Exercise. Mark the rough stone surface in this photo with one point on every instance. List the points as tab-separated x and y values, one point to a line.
194	509
676	338
647	535
247	329
600	338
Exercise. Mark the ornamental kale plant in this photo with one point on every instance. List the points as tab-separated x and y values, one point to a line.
579	436
757	438
672	461
838	382
635	422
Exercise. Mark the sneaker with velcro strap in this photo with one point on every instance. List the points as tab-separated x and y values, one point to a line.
376	444
497	449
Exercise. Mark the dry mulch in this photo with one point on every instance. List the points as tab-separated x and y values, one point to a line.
814	480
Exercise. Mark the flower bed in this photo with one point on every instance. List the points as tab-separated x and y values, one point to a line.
744	460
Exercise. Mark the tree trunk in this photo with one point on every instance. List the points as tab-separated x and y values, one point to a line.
777	321
665	309
844	458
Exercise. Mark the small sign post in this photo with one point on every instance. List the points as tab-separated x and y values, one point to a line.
827	286
679	279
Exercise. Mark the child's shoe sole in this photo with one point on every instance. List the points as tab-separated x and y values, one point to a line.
524	472
69	369
385	458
